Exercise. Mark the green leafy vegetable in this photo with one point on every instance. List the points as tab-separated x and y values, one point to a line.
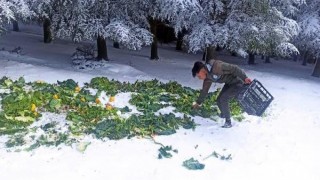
23	103
193	164
164	152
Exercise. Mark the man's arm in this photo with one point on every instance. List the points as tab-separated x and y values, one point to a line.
204	92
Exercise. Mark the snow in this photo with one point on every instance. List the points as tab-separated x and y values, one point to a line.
282	145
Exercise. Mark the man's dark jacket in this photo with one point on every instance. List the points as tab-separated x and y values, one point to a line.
221	72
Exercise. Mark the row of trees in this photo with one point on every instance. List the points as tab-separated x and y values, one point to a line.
245	27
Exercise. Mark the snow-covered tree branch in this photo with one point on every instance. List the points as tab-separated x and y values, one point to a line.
309	34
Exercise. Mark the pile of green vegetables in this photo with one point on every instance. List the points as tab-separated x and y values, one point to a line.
23	103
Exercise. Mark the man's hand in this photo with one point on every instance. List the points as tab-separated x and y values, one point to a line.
247	81
196	105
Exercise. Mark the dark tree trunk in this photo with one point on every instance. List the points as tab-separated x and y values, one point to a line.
116	45
102	48
305	56
209	54
304	62
15	26
251	58
295	57
262	57
204	56
154	45
233	54
179	41
267	59
47	36
316	70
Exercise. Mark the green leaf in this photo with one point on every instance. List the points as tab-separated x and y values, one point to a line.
193	164
55	104
165	152
82	146
8	82
165	132
69	84
24	118
125	109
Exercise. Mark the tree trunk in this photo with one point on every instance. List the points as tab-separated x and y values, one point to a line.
267	59
251	58
233	54
209	54
15	26
116	45
47	36
316	70
102	49
305	56
179	41
304	62
262	57
154	45
204	55
295	58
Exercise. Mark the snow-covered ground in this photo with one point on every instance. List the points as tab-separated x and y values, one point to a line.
283	145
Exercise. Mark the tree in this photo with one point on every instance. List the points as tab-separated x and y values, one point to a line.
11	10
260	28
44	12
80	19
243	26
22	12
154	46
15	25
6	13
308	40
149	13
100	20
180	40
207	28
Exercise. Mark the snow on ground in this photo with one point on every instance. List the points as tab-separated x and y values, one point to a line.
283	145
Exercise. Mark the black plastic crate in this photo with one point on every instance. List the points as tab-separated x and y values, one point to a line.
254	98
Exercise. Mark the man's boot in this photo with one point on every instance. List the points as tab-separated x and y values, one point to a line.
227	123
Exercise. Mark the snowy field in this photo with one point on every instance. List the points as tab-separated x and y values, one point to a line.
282	145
